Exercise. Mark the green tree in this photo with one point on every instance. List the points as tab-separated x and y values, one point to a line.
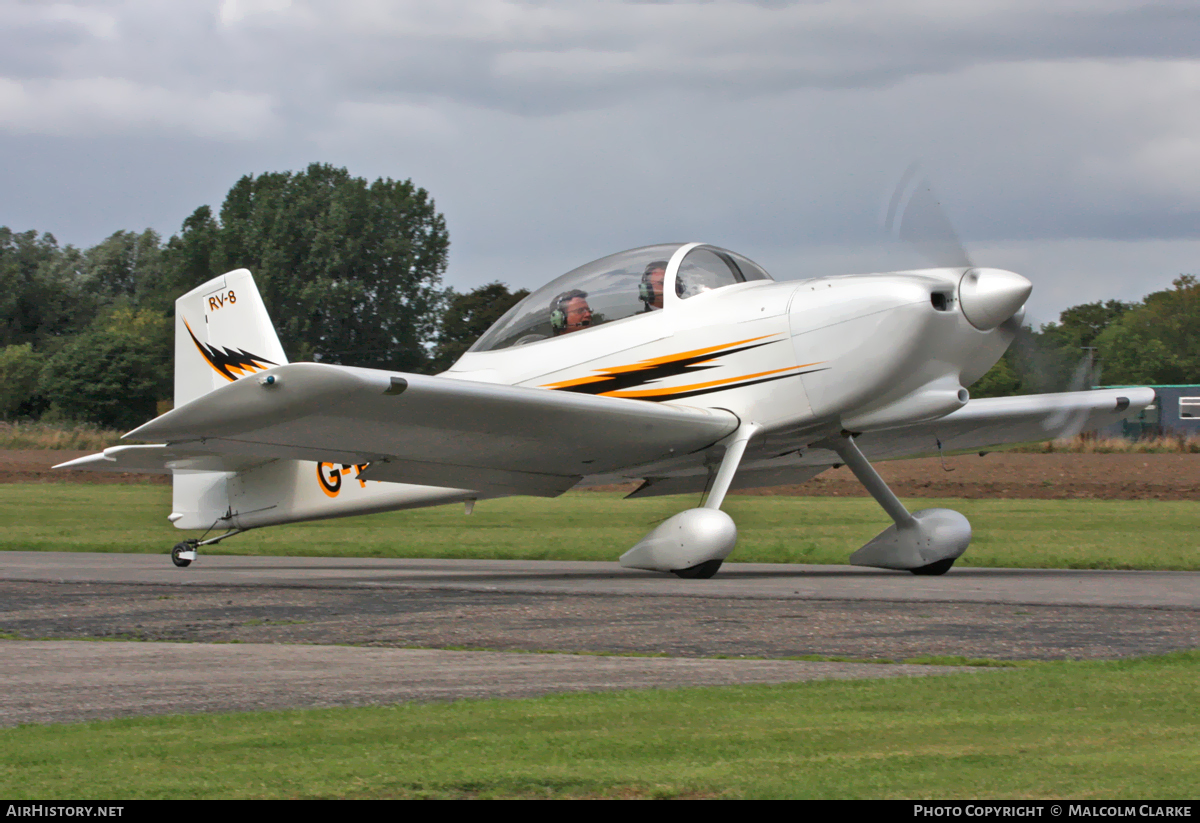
1000	381
1080	325
21	302
114	373
1157	342
130	267
349	270
20	367
189	254
41	296
467	317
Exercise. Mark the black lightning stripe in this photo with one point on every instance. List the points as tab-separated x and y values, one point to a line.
658	398
225	360
659	371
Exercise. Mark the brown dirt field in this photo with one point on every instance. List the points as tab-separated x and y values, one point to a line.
1036	476
33	466
997	475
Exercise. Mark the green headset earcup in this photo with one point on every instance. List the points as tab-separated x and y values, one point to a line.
558	320
645	292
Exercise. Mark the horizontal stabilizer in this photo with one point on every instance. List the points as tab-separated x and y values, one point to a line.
159	459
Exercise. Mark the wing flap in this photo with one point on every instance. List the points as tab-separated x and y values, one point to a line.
488	481
755	478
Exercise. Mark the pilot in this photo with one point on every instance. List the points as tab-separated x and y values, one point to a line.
570	312
650	290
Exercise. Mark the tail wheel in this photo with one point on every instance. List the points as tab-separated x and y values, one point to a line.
179	549
940	567
702	572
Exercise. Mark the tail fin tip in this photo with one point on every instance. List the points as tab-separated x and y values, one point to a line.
222	333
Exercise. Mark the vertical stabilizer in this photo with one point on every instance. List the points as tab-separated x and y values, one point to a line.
222	333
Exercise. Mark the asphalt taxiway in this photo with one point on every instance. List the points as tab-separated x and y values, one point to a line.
70	681
1047	587
275	632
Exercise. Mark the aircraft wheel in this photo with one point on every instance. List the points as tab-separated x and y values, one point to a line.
176	559
940	567
702	572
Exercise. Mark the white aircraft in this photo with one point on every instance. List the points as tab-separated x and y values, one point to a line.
683	366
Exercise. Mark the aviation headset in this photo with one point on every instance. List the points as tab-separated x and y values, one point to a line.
645	288
558	309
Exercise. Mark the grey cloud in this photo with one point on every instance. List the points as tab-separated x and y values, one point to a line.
582	63
553	133
552	58
598	53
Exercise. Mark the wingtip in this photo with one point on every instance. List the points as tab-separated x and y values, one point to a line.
86	460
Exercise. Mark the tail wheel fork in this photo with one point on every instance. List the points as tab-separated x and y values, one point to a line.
185	552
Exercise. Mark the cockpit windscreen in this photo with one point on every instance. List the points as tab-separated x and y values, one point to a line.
616	287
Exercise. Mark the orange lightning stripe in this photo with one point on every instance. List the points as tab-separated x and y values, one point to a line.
694	386
645	365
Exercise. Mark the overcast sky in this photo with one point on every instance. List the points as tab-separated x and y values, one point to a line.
1062	137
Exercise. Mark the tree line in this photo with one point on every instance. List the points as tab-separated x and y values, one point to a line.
351	273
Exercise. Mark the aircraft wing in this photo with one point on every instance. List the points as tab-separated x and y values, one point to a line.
979	425
996	421
434	431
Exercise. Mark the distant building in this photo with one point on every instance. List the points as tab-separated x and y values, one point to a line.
1175	410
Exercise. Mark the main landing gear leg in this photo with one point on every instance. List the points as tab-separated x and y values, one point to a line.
184	553
694	543
925	542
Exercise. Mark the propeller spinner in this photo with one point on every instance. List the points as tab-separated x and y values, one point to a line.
987	297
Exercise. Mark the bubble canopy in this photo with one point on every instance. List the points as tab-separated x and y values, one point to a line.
617	287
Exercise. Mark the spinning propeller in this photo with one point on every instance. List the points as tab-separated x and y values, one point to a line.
915	216
987	297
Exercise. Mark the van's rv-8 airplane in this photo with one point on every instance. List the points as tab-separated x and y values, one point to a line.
683	366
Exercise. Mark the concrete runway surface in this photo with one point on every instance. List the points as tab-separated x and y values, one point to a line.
288	613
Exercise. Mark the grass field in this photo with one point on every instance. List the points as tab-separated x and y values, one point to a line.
1124	729
1081	534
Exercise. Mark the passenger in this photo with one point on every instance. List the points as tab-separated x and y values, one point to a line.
650	290
570	312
